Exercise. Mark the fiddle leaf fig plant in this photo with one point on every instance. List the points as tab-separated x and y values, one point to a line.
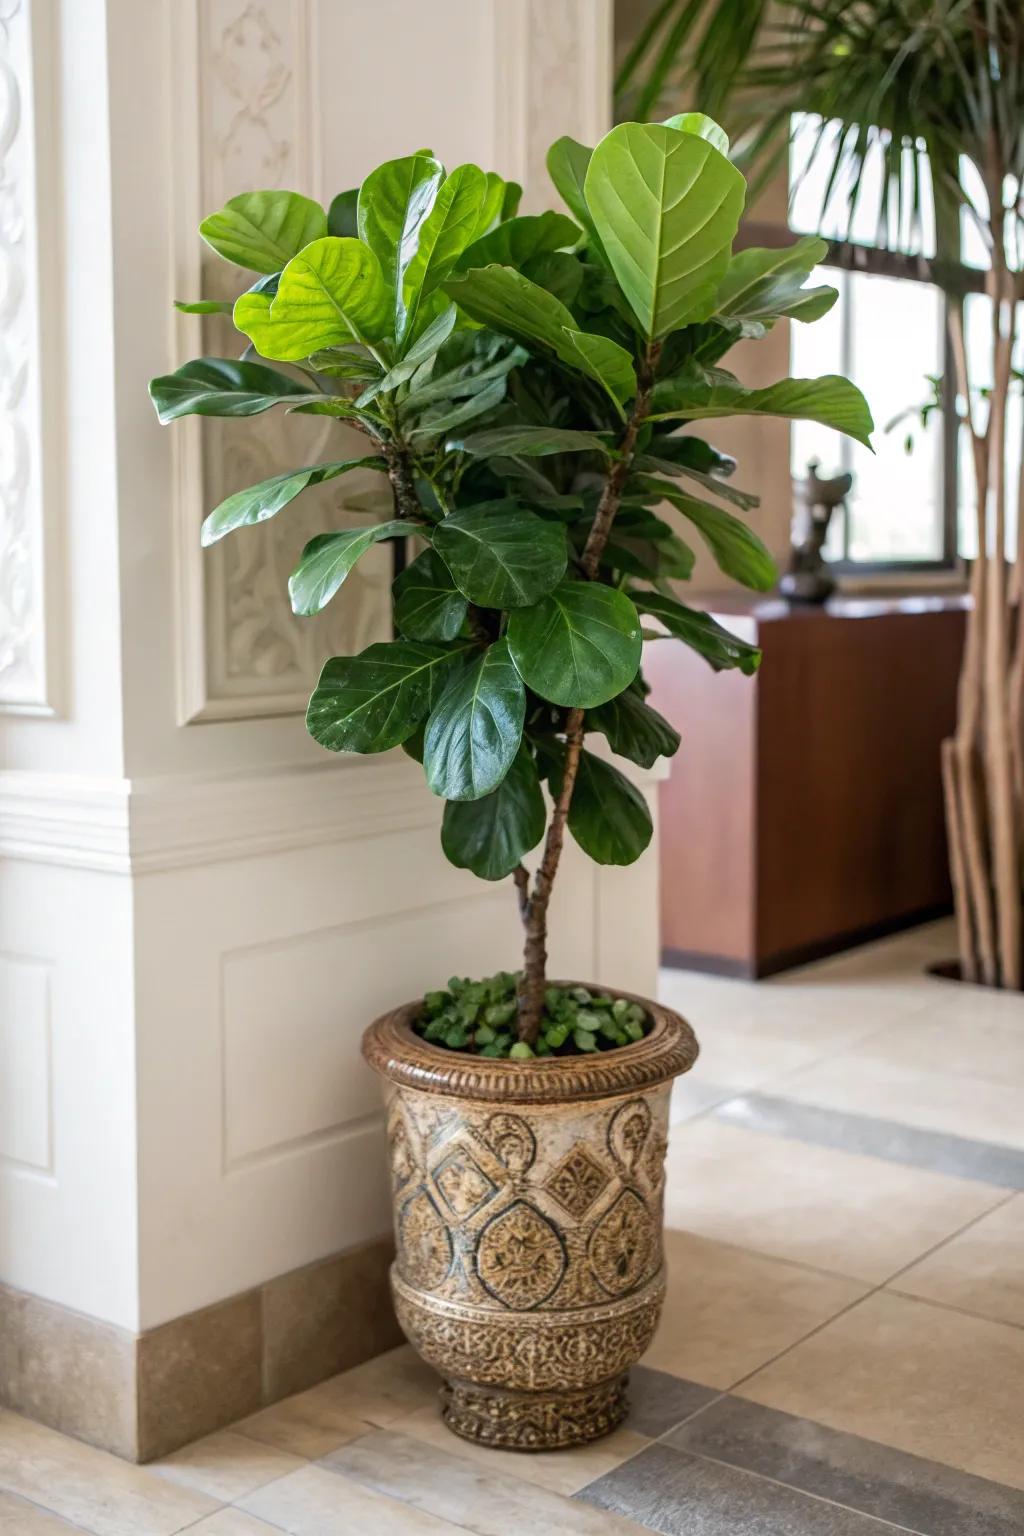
527	388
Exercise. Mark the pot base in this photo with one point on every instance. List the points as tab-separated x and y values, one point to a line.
533	1421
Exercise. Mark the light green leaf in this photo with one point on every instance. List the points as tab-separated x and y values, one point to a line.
330	294
633	729
579	646
702	393
258	502
508	302
328	559
608	815
500	555
490	836
395	203
443	236
428	605
528	442
218	386
767	285
514	242
737	550
492	209
374	701
264	230
703	126
203	307
568	162
700	632
667	206
474	731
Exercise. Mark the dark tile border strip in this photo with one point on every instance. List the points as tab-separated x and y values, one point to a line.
735	1466
936	1151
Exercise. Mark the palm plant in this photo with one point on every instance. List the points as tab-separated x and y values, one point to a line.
934	89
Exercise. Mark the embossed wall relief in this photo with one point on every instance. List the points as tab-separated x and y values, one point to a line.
258	124
24	511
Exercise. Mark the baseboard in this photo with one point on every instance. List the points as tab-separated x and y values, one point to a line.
144	1395
757	967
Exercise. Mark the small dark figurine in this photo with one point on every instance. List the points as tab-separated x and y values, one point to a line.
808	579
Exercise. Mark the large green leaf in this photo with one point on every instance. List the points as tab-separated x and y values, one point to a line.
767	285
258	502
700	632
374	701
517	240
428	604
331	293
508	302
666	206
341	215
703	126
568	162
527	442
608	815
633	729
698	394
442	237
500	555
423	348
328	559
219	386
579	646
737	550
474	731
396	202
490	836
263	230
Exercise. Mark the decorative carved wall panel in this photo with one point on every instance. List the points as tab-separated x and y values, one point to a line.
27	473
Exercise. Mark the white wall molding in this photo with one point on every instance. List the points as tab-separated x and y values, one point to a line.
31	365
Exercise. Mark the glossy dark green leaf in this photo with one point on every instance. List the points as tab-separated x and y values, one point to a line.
219	386
508	302
475	728
646	463
667	206
428	605
702	393
736	548
393	203
767	285
722	649
328	559
341	215
559	273
512	243
500	555
633	729
608	815
442	237
262	231
490	836
330	294
578	646
259	502
529	442
461	382
374	701
426	346
352	362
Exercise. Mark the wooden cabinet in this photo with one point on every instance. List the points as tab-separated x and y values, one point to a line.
803	812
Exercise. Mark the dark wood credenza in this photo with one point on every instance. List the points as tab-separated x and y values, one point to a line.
803	812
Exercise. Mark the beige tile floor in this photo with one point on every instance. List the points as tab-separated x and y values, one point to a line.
871	1290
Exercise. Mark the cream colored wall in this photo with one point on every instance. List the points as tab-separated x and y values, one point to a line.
199	910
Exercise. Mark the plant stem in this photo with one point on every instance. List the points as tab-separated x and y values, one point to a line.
534	910
407	503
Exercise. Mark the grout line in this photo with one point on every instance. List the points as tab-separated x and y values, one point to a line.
44	1509
874	1291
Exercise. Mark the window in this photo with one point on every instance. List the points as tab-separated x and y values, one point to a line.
887	334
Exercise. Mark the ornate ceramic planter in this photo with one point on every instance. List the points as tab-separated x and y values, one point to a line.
528	1215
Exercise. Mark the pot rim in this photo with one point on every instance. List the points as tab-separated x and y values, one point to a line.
397	1053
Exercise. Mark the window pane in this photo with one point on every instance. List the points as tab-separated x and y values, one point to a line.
811	156
885	335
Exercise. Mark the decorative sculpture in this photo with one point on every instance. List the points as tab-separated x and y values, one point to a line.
808	579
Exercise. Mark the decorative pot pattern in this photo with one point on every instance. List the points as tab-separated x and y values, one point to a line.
528	1214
